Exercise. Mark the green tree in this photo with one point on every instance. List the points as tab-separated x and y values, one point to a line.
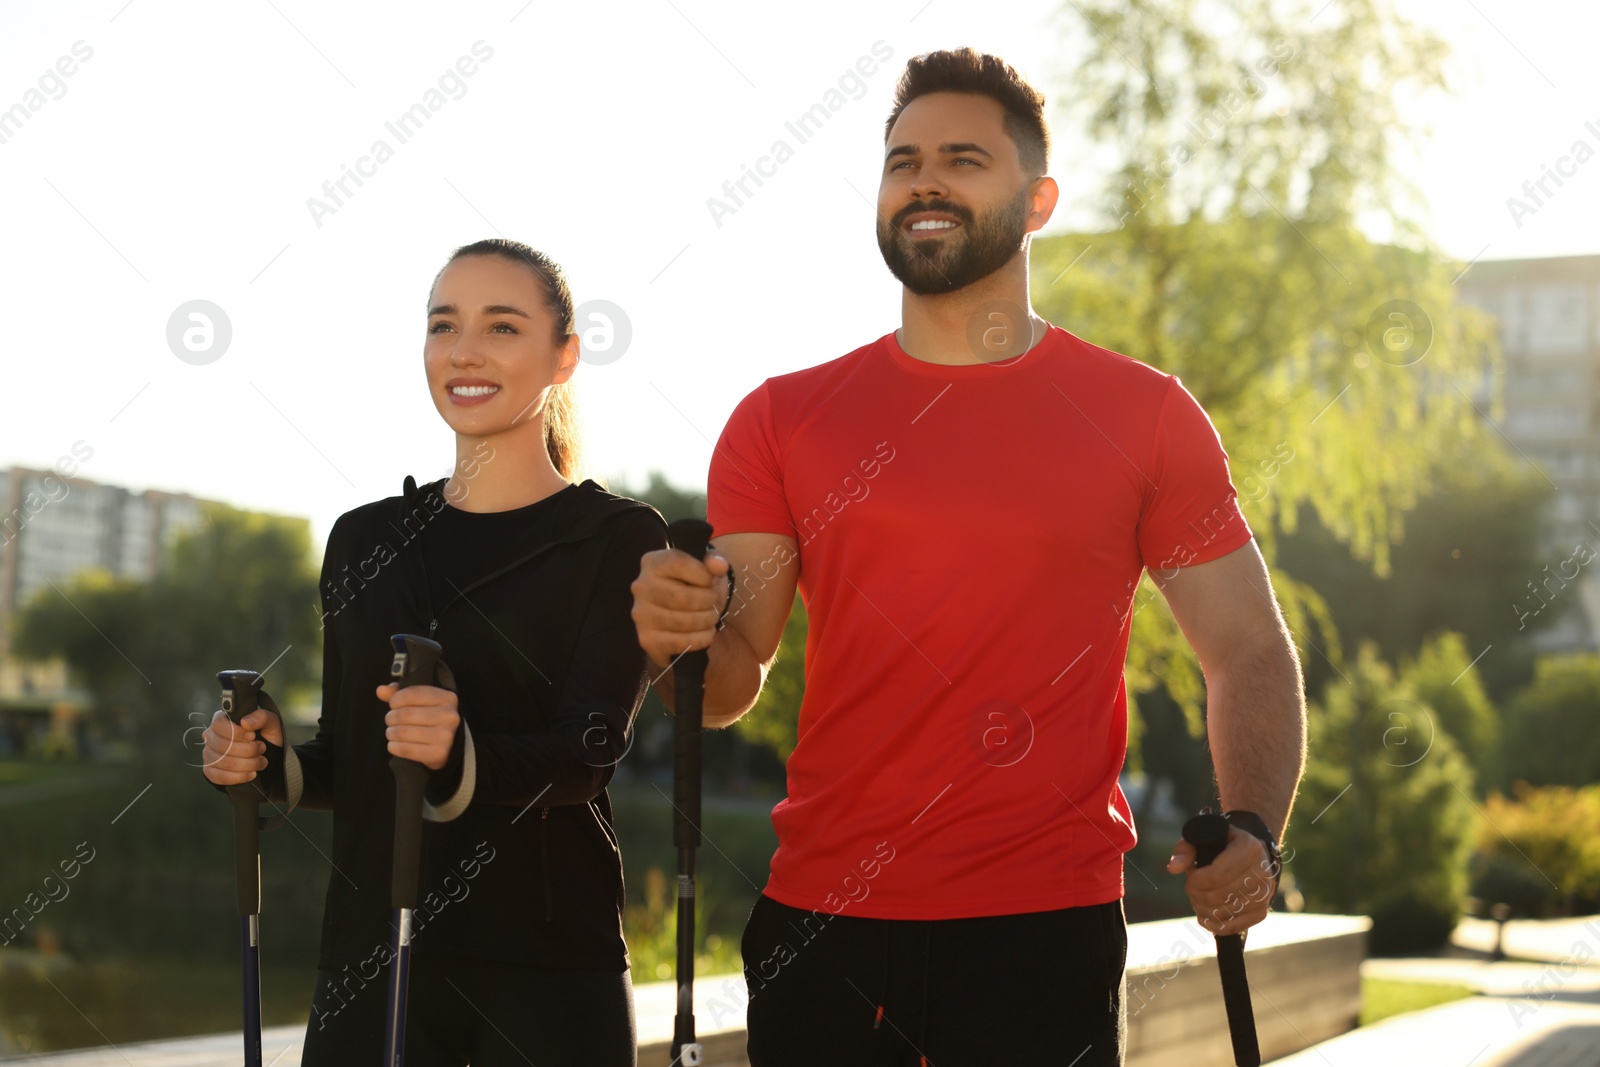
1469	549
672	501
1552	731
1443	678
98	623
1247	139
241	587
1388	822
239	590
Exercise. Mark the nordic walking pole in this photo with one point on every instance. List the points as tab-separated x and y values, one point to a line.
241	694
689	687
1208	833
416	662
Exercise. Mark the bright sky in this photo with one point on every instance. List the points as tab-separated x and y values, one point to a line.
175	162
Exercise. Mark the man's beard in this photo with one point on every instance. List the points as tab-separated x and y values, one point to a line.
932	266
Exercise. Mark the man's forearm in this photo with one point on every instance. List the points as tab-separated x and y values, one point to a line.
733	680
1256	722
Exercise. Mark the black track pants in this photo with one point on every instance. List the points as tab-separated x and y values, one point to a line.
1038	988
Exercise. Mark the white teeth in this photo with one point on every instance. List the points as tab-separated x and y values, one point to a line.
933	224
474	390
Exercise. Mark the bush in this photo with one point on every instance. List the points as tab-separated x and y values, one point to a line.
1443	677
1552	731
1539	852
1410	923
1388	793
1503	879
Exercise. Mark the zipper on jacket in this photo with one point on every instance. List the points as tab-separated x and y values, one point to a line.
544	865
411	494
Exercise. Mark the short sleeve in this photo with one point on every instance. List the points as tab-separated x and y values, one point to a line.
744	489
1192	514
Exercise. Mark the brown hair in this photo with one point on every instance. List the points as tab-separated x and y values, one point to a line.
560	410
964	70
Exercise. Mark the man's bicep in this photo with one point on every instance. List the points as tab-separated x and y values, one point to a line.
1224	605
766	570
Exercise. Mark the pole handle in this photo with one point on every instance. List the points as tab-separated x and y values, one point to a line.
245	799
1208	833
692	536
241	694
417	661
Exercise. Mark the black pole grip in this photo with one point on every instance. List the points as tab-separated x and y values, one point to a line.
1208	833
416	662
241	694
690	535
243	799
689	675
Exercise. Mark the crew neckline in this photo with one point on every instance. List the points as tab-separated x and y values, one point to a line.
525	509
1032	357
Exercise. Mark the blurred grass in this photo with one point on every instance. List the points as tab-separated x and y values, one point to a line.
651	929
23	772
148	924
731	867
54	1003
1382	998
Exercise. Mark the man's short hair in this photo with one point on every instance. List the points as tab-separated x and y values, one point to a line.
964	70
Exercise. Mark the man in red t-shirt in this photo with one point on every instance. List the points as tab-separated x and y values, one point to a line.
966	506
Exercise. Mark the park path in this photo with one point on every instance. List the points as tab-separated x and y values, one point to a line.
1540	1009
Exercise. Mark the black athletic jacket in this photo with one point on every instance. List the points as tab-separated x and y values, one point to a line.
519	858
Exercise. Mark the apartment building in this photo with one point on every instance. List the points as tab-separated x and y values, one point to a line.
1548	312
52	526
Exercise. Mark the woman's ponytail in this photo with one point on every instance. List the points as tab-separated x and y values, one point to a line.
561	437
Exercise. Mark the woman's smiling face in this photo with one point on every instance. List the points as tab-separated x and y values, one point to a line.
491	352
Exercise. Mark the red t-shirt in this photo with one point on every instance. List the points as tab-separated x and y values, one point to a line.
970	542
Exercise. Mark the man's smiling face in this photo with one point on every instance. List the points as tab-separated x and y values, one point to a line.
953	202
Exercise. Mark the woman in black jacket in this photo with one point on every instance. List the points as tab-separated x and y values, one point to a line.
523	577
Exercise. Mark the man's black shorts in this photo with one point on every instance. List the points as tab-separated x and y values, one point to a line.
1037	988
